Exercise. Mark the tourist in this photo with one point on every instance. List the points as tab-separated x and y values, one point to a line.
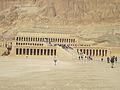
101	59
82	57
116	58
79	57
112	61
108	60
90	58
55	61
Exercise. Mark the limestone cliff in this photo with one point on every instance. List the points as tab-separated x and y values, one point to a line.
88	19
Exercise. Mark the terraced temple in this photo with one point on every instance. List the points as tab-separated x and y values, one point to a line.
49	45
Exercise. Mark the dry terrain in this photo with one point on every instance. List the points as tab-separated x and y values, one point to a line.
97	21
37	74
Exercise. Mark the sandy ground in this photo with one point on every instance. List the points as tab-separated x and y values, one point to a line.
36	74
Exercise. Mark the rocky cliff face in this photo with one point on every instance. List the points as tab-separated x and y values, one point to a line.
97	10
79	14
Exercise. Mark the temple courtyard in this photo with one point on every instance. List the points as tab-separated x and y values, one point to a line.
38	74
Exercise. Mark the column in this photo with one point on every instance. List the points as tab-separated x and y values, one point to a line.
24	39
105	52
93	52
55	52
90	52
96	52
27	50
31	39
31	51
17	51
20	51
41	51
102	52
84	51
48	52
24	51
37	51
87	52
44	52
51	52
67	40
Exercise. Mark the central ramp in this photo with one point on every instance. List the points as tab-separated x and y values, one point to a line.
65	54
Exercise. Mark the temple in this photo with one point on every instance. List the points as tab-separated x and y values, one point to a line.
50	45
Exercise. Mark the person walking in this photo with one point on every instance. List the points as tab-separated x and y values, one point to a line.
89	58
112	61
101	59
55	61
116	58
79	57
108	60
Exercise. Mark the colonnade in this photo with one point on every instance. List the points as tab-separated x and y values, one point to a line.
36	39
33	44
27	51
94	52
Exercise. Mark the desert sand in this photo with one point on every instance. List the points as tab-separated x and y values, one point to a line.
37	74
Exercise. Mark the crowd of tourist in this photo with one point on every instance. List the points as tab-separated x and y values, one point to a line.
111	60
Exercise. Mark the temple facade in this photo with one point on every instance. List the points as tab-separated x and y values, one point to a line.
41	44
48	45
